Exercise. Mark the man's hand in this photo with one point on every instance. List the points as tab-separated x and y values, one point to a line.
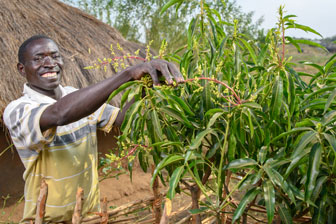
157	68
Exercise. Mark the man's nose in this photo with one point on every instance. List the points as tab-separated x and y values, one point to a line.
49	61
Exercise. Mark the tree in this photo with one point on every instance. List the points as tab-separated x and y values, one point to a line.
141	21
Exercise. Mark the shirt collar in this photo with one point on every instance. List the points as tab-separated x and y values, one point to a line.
39	97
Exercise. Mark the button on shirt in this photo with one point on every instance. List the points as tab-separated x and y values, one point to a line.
65	156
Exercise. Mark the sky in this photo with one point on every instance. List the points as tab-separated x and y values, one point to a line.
317	14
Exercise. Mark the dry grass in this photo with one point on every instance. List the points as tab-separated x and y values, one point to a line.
311	54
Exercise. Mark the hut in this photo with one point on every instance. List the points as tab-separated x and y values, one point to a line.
81	38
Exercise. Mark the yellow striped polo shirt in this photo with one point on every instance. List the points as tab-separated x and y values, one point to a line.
65	156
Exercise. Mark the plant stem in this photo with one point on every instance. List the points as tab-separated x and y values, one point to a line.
219	82
41	202
219	179
157	199
77	215
6	149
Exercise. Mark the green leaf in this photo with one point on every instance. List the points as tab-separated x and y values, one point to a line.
289	16
329	65
182	104
291	92
296	160
276	97
189	155
303	27
332	141
313	170
319	215
169	143
156	125
311	43
196	142
121	88
213	119
213	111
286	217
129	116
269	196
295	44
316	104
175	114
278	179
124	97
262	154
262	54
240	163
306	139
250	50
165	162
318	67
330	99
248	197
257	177
174	180
232	147
252	105
250	123
169	4
198	211
329	117
294	130
207	96
304	123
318	188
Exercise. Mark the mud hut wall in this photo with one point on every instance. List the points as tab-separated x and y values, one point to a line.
11	170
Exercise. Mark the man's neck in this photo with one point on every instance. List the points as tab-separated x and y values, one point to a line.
55	94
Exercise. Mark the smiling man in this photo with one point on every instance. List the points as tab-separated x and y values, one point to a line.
54	128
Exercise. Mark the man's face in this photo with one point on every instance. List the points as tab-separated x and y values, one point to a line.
42	66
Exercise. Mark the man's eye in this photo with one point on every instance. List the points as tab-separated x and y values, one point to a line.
38	58
56	56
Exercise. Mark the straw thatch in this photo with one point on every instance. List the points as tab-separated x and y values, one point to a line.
75	32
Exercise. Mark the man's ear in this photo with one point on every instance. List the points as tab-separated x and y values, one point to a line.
20	68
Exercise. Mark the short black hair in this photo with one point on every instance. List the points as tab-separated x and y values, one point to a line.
25	44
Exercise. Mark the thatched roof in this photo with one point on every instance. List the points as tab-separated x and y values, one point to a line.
75	32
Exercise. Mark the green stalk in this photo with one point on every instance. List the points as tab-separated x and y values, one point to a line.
233	190
11	145
219	179
199	184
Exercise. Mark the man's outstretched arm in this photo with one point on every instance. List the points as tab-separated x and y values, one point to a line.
85	101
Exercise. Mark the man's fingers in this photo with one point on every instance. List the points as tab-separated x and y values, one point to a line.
165	72
168	70
176	73
154	74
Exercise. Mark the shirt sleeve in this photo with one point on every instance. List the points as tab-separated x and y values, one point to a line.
23	123
105	116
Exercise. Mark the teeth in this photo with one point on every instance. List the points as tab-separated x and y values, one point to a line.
49	74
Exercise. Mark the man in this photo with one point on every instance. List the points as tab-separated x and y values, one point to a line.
54	127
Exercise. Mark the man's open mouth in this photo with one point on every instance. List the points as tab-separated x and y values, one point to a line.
49	75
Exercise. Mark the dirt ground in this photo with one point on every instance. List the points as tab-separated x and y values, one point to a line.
118	192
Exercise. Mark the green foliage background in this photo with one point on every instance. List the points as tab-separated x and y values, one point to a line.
141	21
243	111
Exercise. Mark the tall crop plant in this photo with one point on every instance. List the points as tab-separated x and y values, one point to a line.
243	112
